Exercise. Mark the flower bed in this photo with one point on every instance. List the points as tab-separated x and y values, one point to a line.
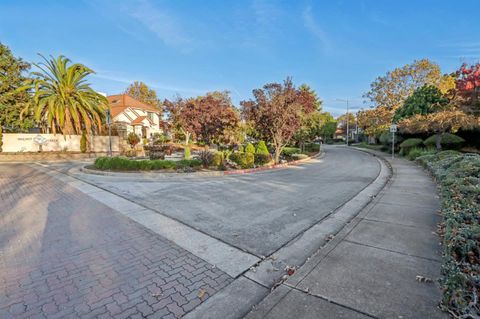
458	176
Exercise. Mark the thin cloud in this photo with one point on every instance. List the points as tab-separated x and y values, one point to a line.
316	30
164	25
160	86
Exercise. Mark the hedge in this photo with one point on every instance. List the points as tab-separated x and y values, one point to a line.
124	164
289	151
408	144
449	141
458	176
245	160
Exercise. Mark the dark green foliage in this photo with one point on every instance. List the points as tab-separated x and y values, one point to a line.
13	76
289	151
83	143
124	164
449	141
206	157
244	160
459	178
408	144
386	139
425	100
311	147
418	151
250	148
218	158
1	138
262	159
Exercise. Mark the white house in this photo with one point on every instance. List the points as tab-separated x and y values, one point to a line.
130	115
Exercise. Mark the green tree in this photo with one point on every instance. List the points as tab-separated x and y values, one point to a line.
423	101
141	92
12	98
392	89
63	100
328	125
428	110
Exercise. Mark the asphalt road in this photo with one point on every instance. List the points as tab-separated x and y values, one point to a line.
259	212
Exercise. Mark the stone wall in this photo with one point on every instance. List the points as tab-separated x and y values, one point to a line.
20	143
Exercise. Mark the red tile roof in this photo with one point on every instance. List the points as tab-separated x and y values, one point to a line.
125	100
138	120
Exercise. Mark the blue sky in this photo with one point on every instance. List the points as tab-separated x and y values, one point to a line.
191	47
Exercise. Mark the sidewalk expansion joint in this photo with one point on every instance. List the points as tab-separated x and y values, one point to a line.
392	251
324	298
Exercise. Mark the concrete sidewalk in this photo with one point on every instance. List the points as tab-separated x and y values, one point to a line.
371	268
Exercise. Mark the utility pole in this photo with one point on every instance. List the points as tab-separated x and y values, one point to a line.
109	133
346	100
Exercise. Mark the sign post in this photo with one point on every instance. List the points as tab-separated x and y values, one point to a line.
109	133
393	129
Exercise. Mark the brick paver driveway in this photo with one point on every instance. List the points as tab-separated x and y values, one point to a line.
65	255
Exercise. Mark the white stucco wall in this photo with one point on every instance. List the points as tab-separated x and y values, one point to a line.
26	143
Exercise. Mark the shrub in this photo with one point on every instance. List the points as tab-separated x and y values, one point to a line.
312	147
1	138
417	152
250	148
262	148
124	164
386	139
408	144
206	157
299	156
244	160
458	176
83	143
448	141
240	149
289	151
186	153
218	159
262	159
133	139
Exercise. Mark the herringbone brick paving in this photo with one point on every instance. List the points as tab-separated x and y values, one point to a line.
65	255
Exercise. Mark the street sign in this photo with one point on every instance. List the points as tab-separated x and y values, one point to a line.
393	128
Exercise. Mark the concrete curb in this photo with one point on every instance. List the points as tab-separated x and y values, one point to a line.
150	174
297	251
257	281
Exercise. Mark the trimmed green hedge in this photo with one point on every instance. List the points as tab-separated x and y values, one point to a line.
449	141
289	151
245	160
408	144
459	178
124	164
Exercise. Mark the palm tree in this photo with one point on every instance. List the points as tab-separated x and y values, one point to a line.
64	100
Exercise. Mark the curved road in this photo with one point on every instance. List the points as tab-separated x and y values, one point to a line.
260	212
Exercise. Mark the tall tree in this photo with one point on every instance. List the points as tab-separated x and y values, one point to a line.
141	92
391	90
12	98
468	88
428	110
307	90
328	125
210	118
64	100
277	112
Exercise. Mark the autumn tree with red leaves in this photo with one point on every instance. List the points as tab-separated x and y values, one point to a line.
468	88
205	118
277	111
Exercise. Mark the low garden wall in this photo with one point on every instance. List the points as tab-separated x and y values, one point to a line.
21	143
49	156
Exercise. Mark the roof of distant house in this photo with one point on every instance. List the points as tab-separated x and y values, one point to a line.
120	102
